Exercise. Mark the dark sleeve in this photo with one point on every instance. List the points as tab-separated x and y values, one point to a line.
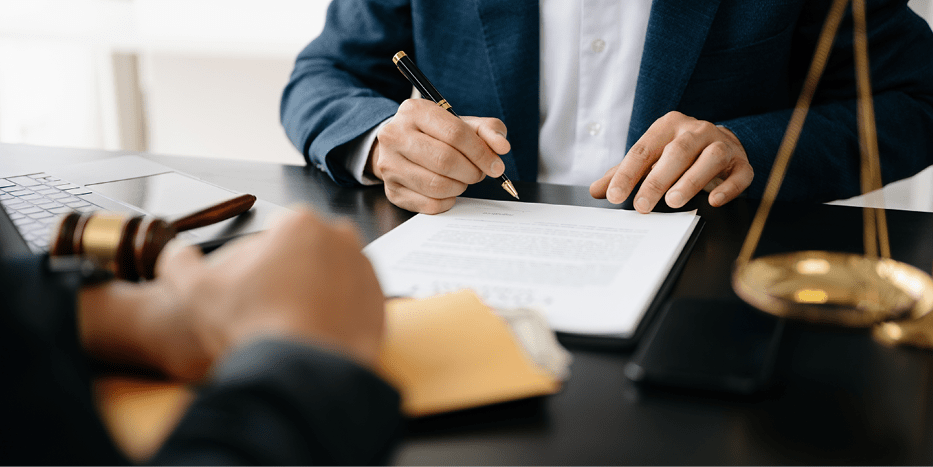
825	164
48	411
286	403
344	82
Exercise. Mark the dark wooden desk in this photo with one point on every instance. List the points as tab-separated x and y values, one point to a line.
839	397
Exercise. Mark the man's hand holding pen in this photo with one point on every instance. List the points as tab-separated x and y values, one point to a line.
427	157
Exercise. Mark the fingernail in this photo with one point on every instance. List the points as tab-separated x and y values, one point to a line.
614	195
642	205
501	134
497	167
717	199
675	199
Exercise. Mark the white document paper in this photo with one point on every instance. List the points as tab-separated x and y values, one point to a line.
589	270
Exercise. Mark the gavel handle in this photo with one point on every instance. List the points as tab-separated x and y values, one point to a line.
216	213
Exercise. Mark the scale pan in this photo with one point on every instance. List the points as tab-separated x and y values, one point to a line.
834	288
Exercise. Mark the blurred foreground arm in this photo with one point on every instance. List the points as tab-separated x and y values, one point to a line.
294	315
291	319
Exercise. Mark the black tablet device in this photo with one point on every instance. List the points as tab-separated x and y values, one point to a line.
713	345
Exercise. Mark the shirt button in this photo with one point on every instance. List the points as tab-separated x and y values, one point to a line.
594	128
598	45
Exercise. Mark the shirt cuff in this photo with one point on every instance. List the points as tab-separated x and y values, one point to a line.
358	153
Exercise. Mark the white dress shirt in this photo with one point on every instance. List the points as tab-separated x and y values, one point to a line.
590	56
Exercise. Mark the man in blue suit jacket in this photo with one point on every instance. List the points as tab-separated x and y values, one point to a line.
725	73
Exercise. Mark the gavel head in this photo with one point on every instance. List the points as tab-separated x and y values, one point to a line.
126	245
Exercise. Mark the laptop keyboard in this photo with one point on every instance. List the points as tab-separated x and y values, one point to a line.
35	202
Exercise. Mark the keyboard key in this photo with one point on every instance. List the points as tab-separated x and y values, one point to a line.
38	176
61	210
23	181
47	204
67	186
29	210
31	197
38	202
18	191
16	215
40	214
69	199
78	204
6	196
57	196
21	223
47	191
79	191
4	183
14	203
32	226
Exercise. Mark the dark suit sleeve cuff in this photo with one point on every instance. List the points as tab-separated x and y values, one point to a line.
287	403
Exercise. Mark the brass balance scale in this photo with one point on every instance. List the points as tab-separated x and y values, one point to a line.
871	290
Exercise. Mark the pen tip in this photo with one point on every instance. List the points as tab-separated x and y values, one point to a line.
507	186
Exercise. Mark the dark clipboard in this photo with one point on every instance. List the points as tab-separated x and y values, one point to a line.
612	342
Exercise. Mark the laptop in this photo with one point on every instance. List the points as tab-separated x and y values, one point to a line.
35	200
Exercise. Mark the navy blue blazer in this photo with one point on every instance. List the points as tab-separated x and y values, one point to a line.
737	63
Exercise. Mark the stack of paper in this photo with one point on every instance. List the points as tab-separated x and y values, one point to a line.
588	270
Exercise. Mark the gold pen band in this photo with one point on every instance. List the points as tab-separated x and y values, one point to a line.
421	83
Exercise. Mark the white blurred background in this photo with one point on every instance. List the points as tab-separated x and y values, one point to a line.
183	77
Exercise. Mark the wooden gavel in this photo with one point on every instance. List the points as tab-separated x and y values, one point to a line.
129	245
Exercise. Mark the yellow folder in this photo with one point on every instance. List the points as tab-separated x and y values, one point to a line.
452	352
443	353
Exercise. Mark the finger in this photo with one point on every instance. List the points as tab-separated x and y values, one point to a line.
678	156
282	226
464	139
714	160
301	219
433	155
423	181
408	199
278	216
178	260
348	230
492	131
645	152
737	181
599	187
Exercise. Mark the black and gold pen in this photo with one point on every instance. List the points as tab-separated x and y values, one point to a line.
421	83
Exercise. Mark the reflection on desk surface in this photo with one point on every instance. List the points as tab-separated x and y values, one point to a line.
168	195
